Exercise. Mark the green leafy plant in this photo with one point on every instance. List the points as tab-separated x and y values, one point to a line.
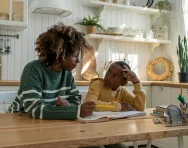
92	21
182	52
165	11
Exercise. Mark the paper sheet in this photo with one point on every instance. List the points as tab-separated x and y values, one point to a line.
112	115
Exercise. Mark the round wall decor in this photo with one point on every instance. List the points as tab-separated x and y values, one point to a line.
168	69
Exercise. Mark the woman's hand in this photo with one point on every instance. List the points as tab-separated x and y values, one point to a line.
62	102
130	76
126	107
87	109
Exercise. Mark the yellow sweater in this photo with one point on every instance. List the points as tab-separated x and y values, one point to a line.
102	95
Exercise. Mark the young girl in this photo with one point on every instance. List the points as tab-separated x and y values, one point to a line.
110	92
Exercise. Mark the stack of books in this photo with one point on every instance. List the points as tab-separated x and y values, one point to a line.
159	110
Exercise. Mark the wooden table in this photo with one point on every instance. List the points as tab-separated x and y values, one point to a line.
32	133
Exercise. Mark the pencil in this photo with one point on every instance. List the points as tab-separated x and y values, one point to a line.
181	90
104	106
117	100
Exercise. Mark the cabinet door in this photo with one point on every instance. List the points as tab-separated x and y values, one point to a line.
160	95
174	96
4	9
175	93
147	89
17	10
13	14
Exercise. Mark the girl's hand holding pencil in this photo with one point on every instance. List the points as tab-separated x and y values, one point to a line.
124	106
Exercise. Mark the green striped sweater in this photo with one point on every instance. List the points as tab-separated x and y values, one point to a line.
39	89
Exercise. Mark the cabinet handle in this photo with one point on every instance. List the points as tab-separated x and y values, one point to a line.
160	88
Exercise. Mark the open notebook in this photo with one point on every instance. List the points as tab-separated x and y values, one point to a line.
105	116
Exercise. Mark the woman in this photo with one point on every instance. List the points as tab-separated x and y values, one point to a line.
50	77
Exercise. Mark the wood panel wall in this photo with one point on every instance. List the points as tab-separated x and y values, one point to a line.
138	54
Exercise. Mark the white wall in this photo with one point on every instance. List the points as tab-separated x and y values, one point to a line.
22	50
177	29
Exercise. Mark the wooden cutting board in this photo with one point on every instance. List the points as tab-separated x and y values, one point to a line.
88	71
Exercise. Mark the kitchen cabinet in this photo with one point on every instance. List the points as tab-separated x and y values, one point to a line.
160	95
167	95
14	14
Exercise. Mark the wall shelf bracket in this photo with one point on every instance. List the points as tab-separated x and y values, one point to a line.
153	46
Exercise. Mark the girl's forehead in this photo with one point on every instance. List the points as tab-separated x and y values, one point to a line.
114	65
115	68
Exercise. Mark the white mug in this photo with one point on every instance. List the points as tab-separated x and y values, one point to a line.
150	34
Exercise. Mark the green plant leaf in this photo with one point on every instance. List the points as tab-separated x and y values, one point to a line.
92	21
182	53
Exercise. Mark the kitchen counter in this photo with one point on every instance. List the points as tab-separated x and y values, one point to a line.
86	83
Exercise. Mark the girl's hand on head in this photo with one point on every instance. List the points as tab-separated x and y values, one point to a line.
126	107
87	109
130	76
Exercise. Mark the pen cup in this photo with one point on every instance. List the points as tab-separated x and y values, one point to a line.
184	111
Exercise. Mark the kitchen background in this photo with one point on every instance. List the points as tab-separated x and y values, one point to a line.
138	54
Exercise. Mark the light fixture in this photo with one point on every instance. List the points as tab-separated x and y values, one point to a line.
49	7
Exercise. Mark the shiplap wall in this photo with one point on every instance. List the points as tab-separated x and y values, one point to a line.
22	50
177	28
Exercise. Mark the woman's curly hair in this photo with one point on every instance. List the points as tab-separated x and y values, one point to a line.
59	42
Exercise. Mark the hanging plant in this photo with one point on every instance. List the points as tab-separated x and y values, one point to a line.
165	11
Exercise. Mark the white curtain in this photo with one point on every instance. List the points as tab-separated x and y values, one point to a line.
185	15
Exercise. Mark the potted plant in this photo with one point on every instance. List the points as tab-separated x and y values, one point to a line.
165	11
92	23
182	53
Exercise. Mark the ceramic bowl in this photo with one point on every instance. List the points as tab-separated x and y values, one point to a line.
117	30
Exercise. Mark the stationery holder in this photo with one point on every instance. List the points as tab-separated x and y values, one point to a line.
184	111
172	116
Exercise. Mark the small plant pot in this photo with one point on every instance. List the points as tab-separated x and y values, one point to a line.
116	1
183	77
104	0
91	29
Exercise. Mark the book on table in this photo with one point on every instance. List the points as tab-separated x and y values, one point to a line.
106	116
161	108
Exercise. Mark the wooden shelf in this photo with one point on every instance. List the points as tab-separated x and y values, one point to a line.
154	42
127	39
108	5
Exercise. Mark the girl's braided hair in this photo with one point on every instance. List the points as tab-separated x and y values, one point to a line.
59	42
